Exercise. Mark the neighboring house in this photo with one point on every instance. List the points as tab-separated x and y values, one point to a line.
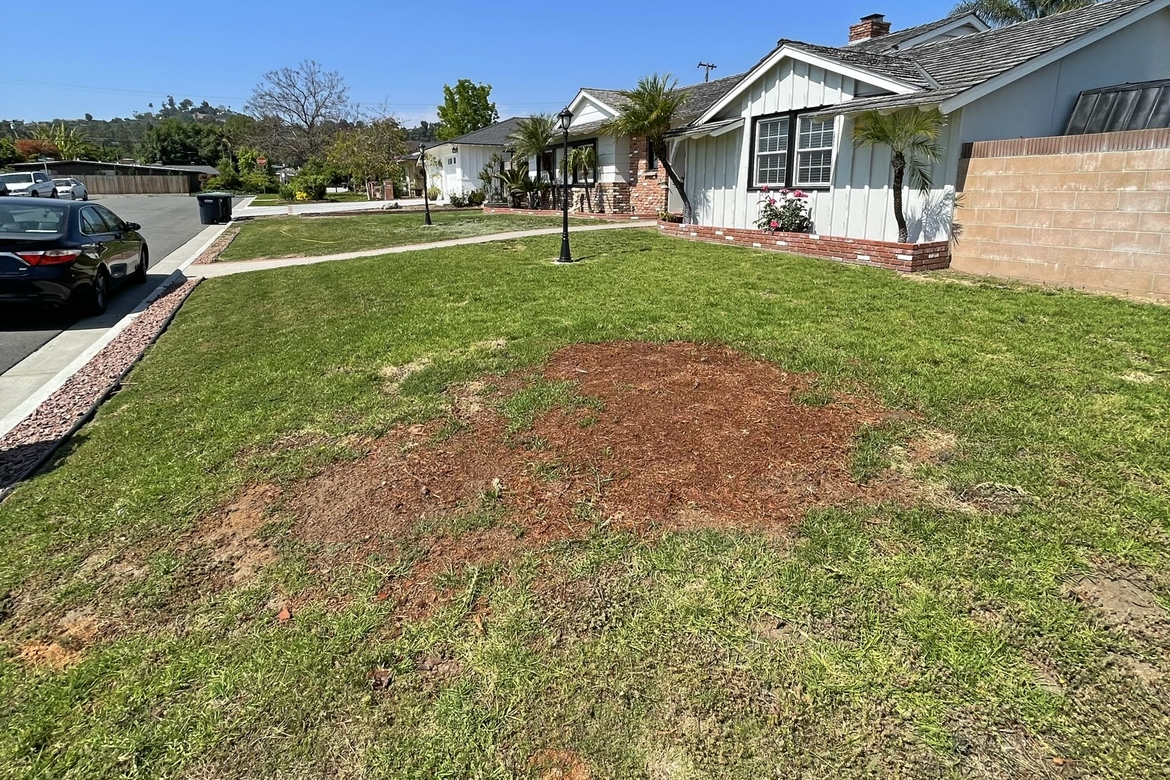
788	122
628	179
461	159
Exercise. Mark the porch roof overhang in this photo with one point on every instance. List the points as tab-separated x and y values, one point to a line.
709	130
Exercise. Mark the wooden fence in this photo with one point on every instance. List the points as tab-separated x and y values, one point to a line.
136	185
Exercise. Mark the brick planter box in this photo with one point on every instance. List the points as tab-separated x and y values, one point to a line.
905	258
573	214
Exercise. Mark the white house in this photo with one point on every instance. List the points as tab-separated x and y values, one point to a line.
460	160
788	122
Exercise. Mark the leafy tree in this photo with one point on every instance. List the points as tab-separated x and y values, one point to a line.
912	137
35	148
583	163
426	132
299	109
370	152
174	142
466	108
648	111
8	153
72	143
1001	12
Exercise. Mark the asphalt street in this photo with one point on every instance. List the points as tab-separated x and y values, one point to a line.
168	222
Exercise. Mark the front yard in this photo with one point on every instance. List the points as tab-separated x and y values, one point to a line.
677	511
304	236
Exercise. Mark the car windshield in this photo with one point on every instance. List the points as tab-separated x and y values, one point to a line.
38	218
16	178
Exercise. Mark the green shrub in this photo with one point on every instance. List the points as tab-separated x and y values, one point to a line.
287	192
476	198
311	184
457	200
434	193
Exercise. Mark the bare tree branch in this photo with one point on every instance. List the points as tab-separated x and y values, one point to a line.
298	109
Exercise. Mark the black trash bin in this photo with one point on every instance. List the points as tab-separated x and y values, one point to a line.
208	209
214	208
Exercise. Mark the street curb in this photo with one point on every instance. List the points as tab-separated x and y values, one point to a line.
176	278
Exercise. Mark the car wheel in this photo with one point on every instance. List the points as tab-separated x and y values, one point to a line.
143	266
34	194
99	294
85	196
53	194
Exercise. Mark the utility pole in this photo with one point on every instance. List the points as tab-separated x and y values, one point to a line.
710	67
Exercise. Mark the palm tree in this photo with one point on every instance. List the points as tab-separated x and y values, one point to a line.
649	110
583	162
517	183
912	135
1001	12
533	135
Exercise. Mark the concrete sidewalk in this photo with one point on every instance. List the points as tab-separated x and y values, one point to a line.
243	266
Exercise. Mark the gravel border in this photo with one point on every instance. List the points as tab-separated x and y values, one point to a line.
30	444
222	242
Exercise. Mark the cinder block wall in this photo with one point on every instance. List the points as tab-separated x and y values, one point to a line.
1090	211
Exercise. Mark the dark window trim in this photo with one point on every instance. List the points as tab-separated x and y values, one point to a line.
790	164
651	157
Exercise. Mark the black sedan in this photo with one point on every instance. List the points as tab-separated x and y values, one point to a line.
66	253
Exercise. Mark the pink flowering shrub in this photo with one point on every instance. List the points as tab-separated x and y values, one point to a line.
786	212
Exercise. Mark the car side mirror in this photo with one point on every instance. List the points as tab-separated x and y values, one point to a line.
133	226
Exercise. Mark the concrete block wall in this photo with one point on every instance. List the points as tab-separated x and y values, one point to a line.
1091	212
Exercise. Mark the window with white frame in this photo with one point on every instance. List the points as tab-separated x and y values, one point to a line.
771	151
814	152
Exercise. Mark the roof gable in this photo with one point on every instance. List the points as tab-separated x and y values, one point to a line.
492	135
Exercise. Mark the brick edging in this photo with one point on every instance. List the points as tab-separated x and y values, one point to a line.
904	258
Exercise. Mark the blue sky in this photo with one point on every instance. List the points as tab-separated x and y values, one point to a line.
401	54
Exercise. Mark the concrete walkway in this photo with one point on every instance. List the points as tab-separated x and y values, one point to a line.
243	266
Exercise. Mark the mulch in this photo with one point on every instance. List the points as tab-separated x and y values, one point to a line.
686	436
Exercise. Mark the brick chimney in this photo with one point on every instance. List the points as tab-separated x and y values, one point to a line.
872	26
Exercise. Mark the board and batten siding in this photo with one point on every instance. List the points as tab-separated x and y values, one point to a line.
859	203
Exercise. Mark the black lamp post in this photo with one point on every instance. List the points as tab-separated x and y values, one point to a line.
565	118
422	158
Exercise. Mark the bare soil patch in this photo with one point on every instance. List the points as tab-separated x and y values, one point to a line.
232	536
1122	604
673	437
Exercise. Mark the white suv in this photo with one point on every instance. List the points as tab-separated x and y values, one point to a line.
35	184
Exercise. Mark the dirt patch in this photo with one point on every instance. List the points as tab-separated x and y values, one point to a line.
1122	604
560	765
51	655
672	437
236	552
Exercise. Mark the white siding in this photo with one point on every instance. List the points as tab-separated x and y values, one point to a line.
1040	103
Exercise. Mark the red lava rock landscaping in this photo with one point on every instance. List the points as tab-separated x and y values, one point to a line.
42	431
212	253
675	436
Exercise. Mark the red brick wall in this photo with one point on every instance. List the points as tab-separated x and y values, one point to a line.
647	187
906	258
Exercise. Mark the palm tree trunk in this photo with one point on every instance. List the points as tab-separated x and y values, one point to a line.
664	158
899	162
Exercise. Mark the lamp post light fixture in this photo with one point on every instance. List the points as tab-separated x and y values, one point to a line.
422	159
564	119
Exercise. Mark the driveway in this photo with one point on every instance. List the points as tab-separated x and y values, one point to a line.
168	222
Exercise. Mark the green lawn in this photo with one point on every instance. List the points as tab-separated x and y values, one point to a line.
922	641
272	199
299	236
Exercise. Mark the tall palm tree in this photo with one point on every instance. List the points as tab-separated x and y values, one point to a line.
1001	12
533	135
912	136
649	110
